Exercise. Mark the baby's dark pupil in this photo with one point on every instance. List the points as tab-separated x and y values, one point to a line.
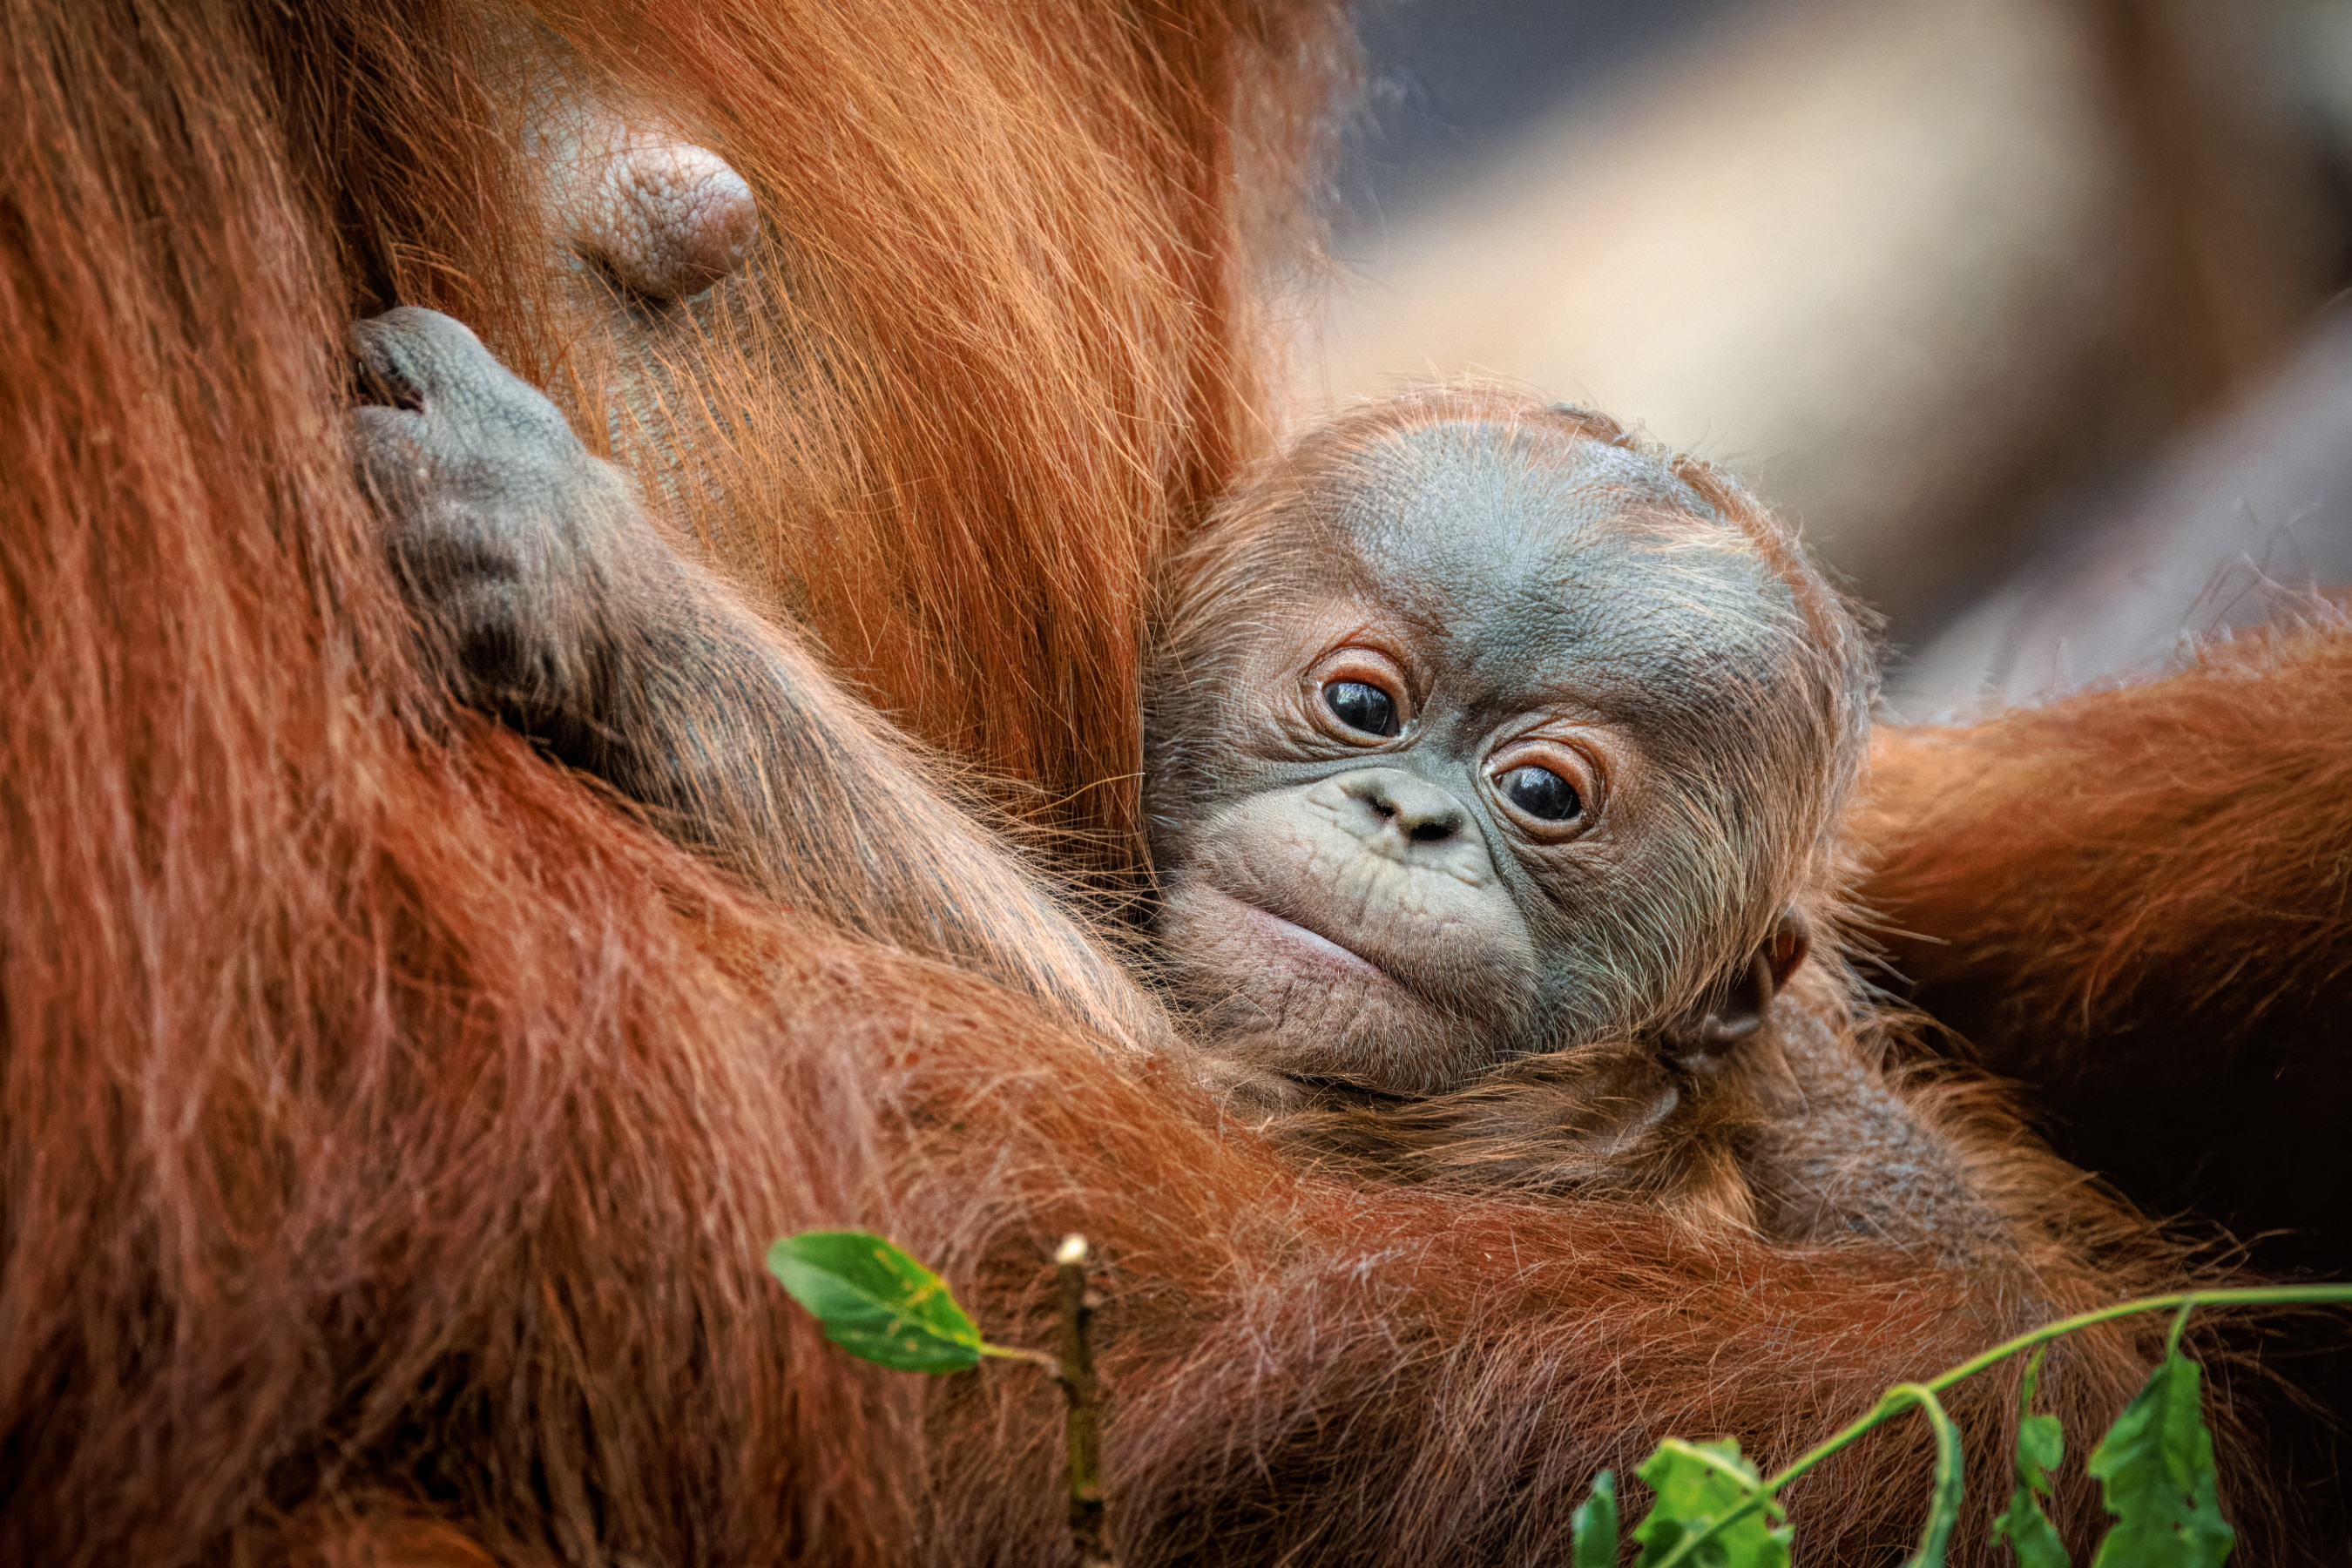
1542	794
1363	707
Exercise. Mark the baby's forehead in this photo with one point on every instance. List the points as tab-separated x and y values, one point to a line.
1531	484
1537	557
1473	511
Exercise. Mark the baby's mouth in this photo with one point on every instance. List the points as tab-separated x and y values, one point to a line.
1299	935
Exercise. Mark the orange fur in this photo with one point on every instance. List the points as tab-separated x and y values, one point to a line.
2174	850
1078	196
2138	900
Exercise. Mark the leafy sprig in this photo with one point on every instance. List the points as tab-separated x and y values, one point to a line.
1709	1507
877	1302
2155	1466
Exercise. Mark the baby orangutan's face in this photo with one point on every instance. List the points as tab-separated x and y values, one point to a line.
1452	756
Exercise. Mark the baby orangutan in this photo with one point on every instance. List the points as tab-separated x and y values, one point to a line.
1493	771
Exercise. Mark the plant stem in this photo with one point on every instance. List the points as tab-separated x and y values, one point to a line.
1892	1404
2252	1295
1089	1515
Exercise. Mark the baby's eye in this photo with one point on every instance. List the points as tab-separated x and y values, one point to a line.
1361	706
1541	793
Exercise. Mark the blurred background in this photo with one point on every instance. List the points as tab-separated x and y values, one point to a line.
2023	309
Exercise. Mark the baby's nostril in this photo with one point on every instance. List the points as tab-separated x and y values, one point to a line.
1429	832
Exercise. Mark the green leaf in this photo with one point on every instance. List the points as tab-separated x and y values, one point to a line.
2155	1468
2028	1530
1593	1526
876	1302
2041	1448
1698	1484
2041	1445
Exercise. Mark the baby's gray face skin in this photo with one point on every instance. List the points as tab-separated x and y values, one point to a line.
1468	775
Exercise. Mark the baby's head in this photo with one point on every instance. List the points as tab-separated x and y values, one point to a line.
1474	731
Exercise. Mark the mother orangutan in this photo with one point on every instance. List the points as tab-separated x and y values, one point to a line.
393	1122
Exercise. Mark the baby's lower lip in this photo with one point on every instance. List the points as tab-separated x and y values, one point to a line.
1313	941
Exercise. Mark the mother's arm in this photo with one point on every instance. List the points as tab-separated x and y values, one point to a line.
2138	901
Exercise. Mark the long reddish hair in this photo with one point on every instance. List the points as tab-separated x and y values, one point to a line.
336	1033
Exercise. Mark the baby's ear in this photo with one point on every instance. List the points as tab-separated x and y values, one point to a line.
1735	1009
